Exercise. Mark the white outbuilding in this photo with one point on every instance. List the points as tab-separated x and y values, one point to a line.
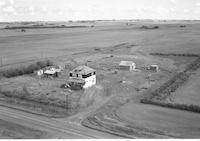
52	71
127	65
82	77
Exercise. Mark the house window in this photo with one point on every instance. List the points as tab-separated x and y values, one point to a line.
86	75
94	73
70	74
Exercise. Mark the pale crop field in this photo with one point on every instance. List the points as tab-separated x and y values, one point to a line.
33	44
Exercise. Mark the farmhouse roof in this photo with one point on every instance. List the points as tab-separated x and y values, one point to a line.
82	70
126	63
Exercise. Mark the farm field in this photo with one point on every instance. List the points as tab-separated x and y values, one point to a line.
182	124
33	44
189	93
116	96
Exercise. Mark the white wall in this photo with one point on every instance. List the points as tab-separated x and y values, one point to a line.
90	81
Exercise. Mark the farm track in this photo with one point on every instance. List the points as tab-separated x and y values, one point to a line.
114	125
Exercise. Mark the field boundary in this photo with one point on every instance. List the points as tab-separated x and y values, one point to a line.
174	54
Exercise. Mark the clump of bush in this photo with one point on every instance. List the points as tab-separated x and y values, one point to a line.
13	72
191	108
97	49
174	54
193	66
169	87
182	26
148	27
156	27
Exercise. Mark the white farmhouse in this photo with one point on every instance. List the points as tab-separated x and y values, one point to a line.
127	65
82	77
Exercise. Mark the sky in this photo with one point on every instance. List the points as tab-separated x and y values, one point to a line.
64	10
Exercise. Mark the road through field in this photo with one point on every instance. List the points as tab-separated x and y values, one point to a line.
56	127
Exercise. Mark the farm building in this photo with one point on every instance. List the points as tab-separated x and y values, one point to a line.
39	72
52	71
82	77
154	68
127	65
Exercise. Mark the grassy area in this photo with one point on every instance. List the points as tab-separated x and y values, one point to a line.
161	96
46	96
10	130
175	122
189	94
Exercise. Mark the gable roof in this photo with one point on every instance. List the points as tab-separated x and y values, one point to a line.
82	70
126	63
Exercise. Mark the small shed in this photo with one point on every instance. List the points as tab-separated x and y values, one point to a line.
39	72
52	71
154	68
127	65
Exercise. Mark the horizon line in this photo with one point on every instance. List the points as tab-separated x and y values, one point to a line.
100	20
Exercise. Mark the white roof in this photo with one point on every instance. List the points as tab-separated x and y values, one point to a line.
154	65
50	72
126	63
